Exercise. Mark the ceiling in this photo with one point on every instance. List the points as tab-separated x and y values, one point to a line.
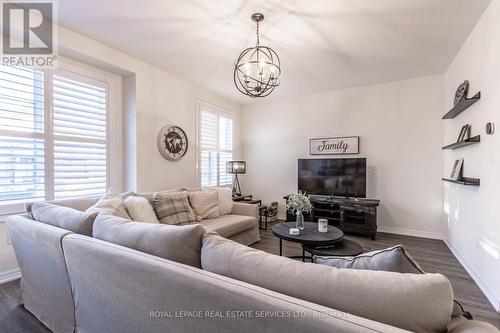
323	44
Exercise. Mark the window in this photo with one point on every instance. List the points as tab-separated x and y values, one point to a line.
216	145
53	135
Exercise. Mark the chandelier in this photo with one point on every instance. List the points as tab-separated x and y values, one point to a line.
257	69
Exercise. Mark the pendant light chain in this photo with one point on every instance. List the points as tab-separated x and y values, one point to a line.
258	38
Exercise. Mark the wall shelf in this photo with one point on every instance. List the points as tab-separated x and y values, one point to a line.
467	142
464	181
462	106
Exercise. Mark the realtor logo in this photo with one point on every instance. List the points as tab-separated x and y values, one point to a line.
28	34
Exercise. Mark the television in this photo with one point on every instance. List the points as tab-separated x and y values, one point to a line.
338	177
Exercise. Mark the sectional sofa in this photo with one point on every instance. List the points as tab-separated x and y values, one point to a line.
199	281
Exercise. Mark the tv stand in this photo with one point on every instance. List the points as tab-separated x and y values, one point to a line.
351	215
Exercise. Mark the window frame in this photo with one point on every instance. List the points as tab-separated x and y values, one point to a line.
220	112
114	129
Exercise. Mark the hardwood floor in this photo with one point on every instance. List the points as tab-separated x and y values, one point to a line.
433	256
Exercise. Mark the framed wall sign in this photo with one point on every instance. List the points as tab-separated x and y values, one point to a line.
344	145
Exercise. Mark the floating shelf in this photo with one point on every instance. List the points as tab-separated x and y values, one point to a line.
461	106
467	142
464	181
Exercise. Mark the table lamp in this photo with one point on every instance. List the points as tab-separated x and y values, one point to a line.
236	168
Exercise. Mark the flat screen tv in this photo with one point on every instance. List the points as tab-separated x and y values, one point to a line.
338	177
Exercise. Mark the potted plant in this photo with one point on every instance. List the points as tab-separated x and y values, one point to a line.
298	204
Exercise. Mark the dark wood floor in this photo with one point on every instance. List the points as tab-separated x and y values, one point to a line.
433	256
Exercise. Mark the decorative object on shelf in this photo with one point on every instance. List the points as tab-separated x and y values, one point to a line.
236	168
457	169
298	204
172	142
322	225
461	92
343	145
464	133
490	128
257	69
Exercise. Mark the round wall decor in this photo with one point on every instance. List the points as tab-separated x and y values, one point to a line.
490	128
461	92
172	142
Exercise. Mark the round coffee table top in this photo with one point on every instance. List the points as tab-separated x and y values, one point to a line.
310	234
346	248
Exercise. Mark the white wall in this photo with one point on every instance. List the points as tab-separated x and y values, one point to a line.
161	98
472	216
400	129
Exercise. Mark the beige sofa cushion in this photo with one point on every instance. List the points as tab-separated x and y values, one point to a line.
416	302
225	196
177	243
63	217
205	204
173	208
229	225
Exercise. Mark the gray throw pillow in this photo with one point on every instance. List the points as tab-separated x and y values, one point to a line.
177	243
173	208
392	259
415	302
63	217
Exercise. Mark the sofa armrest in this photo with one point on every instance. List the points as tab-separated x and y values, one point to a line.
470	326
245	209
45	285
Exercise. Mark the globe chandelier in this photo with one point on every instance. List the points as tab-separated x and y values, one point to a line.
257	69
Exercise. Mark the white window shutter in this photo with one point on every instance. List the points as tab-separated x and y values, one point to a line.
22	163
216	147
80	132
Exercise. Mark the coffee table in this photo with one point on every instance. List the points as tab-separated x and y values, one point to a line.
345	248
310	236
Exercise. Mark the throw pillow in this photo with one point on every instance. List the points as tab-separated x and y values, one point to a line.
110	203
173	208
225	198
140	209
392	259
205	204
63	217
177	243
415	302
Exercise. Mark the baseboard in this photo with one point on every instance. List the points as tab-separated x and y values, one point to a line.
410	232
495	302
10	275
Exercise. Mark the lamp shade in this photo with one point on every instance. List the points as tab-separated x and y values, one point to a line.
236	167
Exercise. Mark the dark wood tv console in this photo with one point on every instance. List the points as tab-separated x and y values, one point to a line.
348	214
